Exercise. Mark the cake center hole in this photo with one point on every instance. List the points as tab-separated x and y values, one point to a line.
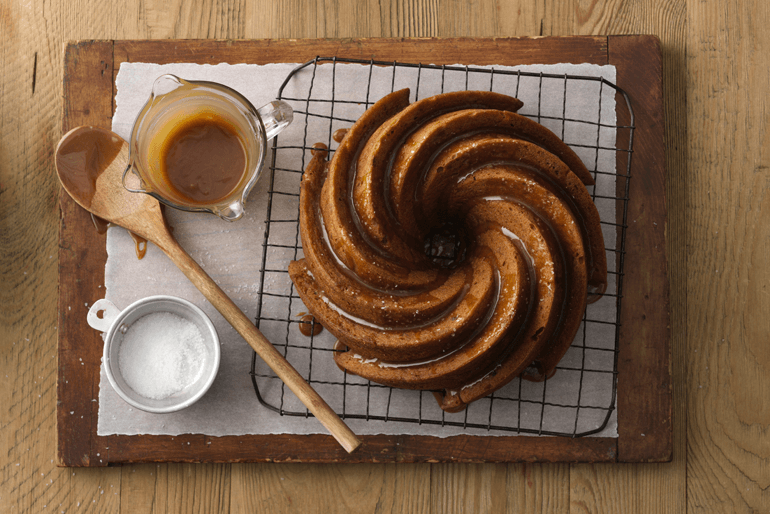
446	245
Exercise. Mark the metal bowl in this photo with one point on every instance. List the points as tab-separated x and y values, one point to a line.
115	323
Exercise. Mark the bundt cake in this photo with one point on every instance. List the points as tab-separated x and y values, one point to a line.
450	245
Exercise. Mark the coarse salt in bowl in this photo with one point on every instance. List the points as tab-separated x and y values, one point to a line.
161	353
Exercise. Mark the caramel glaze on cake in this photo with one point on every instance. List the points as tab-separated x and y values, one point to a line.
511	196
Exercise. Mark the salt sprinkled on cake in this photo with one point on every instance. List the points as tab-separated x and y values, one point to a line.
161	354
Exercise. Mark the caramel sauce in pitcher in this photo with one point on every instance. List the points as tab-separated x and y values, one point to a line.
203	159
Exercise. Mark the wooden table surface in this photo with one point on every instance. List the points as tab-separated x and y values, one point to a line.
716	79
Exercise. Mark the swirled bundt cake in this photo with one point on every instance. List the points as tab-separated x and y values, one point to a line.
449	244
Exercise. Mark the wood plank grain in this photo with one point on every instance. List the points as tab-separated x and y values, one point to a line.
179	488
322	448
728	271
644	429
480	51
589	492
90	490
82	253
625	487
164	488
538	488
144	487
198	488
468	488
29	479
315	488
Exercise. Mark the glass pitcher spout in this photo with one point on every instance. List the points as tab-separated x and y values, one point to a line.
231	212
165	84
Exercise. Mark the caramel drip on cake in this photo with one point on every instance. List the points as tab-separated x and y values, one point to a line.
528	244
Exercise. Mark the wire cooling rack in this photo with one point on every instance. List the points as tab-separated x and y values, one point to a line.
579	399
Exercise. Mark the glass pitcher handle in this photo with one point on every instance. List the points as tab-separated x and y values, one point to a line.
276	116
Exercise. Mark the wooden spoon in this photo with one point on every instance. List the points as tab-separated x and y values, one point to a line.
90	163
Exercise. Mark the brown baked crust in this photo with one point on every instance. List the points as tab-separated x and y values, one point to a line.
509	305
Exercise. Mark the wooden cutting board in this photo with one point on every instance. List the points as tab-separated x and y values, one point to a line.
644	393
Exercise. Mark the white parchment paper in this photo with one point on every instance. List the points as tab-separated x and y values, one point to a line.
231	253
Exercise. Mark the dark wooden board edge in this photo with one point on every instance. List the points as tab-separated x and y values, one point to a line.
645	395
87	100
478	51
321	448
377	448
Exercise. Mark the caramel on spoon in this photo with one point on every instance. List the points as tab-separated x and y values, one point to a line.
90	162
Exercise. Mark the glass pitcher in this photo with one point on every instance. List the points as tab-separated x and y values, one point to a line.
200	146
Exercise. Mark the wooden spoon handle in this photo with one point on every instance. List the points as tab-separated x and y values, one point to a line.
259	342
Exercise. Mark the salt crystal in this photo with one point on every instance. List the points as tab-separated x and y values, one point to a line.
161	354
